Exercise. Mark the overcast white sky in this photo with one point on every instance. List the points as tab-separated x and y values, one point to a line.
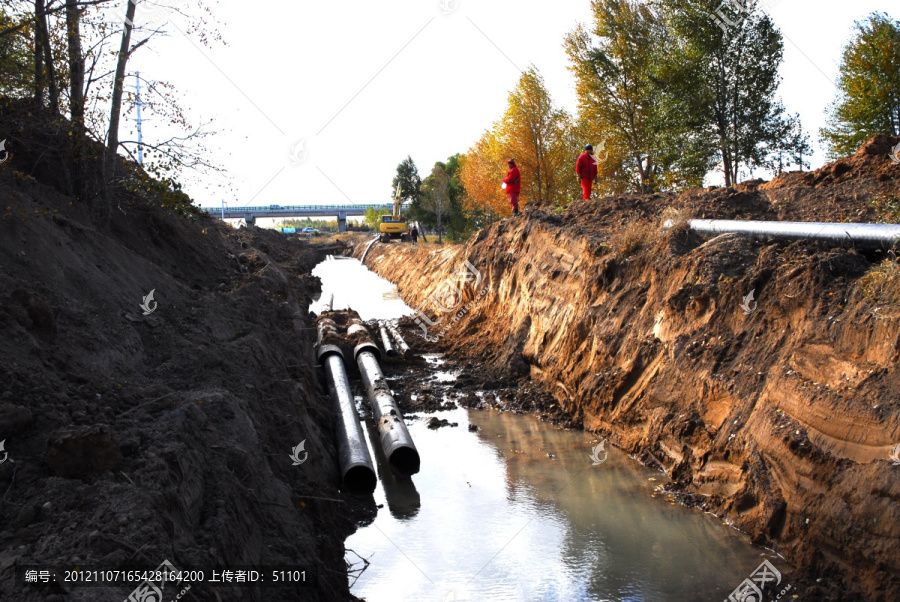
364	84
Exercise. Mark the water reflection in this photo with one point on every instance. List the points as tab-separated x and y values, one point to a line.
403	499
352	285
517	511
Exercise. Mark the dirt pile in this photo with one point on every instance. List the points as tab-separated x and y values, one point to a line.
145	429
777	412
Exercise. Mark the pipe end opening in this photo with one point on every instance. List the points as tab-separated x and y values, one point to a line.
359	480
405	460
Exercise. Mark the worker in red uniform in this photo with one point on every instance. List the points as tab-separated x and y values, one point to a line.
512	183
586	170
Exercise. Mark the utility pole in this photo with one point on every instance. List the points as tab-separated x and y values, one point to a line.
137	83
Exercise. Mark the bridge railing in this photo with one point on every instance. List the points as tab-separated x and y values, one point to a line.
291	208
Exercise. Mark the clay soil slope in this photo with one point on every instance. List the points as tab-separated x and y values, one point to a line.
781	419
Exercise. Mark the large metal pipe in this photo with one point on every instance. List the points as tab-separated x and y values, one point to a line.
366	252
396	441
386	340
404	348
882	236
357	469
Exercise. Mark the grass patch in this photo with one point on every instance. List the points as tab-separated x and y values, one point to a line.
881	284
632	237
887	209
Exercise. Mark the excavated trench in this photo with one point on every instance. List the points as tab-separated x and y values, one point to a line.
777	413
502	506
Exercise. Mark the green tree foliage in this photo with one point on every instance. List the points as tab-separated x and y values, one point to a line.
721	77
641	141
868	100
444	197
372	216
410	189
16	58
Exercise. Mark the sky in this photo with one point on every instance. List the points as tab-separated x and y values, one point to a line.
317	102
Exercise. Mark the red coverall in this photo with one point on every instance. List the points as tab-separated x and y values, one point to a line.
586	168
513	186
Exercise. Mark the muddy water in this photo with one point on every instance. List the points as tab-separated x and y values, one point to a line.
518	510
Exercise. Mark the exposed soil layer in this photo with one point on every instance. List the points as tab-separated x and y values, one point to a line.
136	437
778	413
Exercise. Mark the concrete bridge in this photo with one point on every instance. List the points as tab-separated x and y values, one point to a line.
249	214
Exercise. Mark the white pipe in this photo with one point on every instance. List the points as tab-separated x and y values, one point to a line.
867	235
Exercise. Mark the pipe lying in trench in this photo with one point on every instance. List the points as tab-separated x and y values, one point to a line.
404	348
374	240
386	340
396	441
357	469
882	236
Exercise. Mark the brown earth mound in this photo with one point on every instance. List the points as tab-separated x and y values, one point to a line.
778	413
138	436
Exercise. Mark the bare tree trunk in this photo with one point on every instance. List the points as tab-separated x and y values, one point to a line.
440	209
112	140
38	55
76	63
76	92
726	164
48	60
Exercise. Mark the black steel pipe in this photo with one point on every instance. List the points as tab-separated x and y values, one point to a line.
396	441
357	469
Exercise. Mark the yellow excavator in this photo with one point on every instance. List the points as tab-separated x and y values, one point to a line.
393	225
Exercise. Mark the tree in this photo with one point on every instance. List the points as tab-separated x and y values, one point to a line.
458	223
372	216
410	188
481	170
76	92
437	193
724	81
16	72
540	137
537	135
622	101
868	100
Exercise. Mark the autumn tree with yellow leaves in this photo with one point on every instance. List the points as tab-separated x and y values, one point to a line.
539	136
